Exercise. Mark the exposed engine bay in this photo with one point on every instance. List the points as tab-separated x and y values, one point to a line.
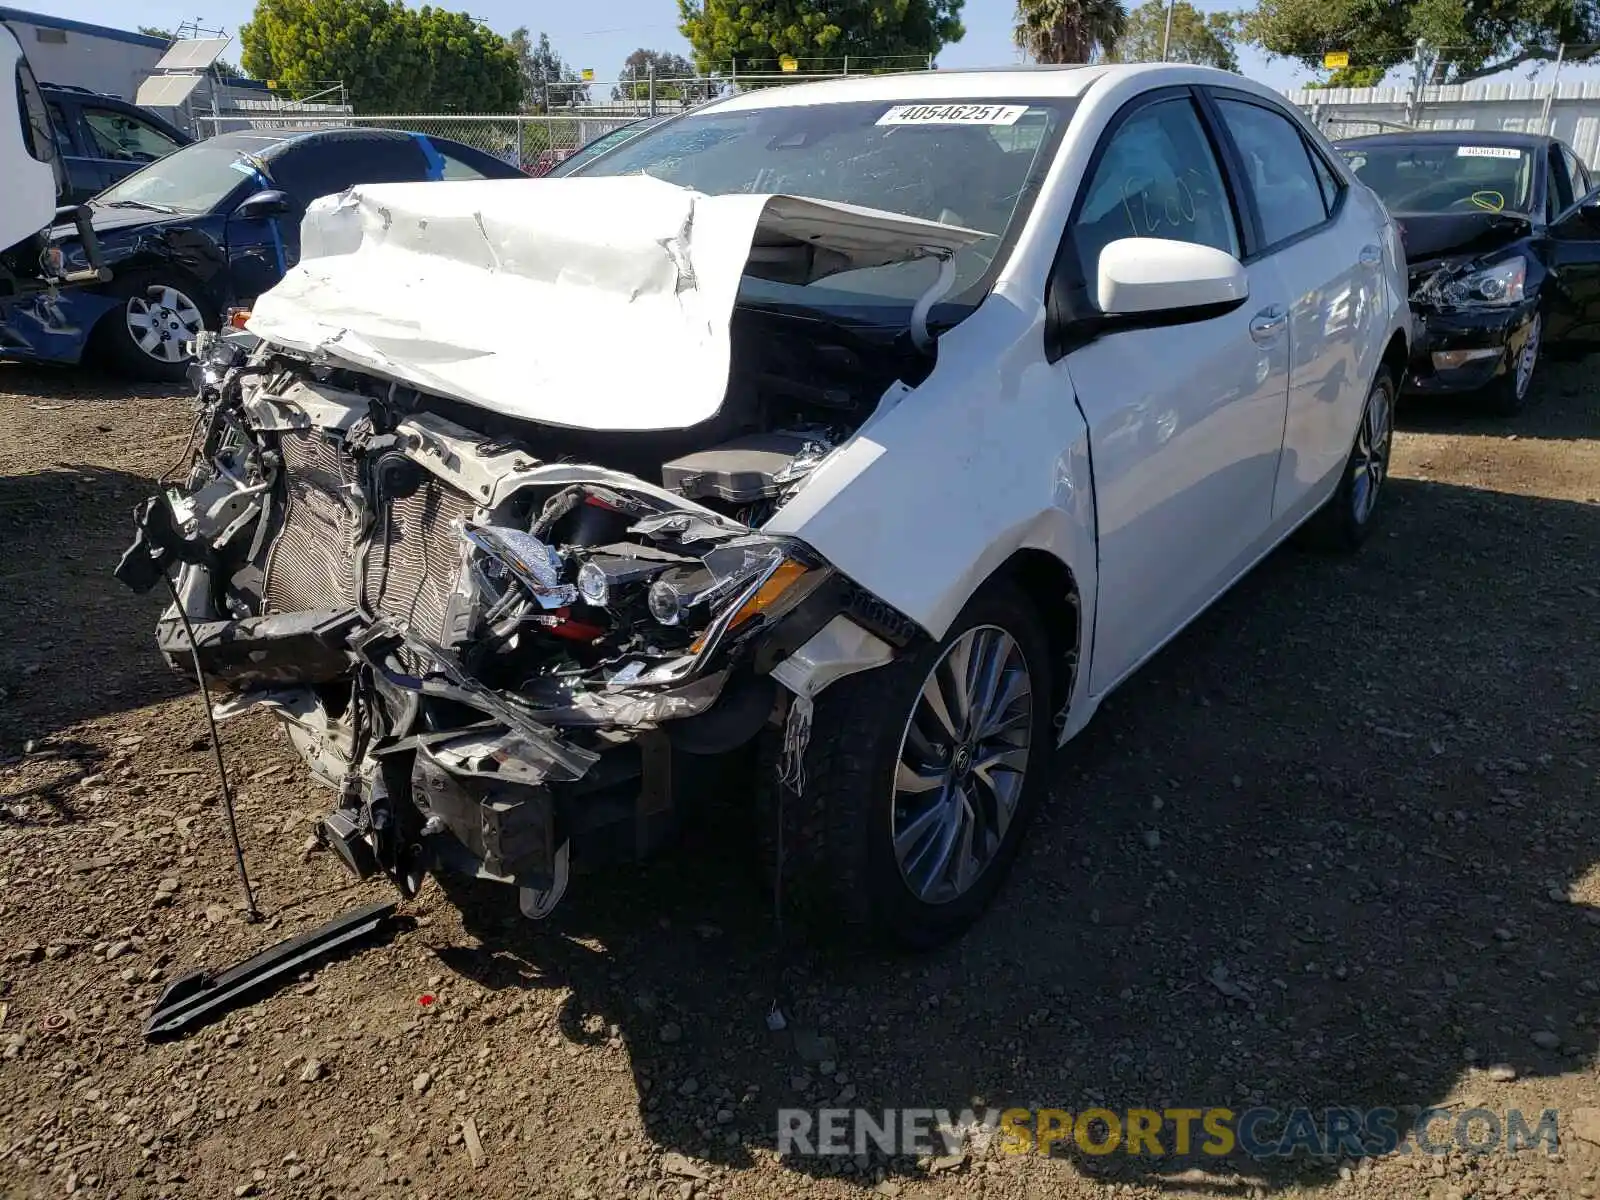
503	642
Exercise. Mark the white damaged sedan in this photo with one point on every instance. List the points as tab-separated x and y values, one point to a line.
862	434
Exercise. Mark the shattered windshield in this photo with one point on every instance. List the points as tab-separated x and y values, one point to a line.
976	164
1446	177
192	180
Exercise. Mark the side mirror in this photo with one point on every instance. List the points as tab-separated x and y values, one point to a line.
271	203
1148	276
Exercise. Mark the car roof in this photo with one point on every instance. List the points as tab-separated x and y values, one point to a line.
1452	137
267	144
1021	82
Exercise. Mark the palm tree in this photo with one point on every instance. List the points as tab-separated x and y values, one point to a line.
1068	31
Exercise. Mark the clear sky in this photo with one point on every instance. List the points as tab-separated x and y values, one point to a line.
601	35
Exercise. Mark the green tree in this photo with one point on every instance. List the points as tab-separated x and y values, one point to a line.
547	80
1469	38
390	58
754	35
1068	31
1205	39
671	71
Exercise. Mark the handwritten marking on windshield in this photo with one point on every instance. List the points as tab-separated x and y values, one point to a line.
1488	201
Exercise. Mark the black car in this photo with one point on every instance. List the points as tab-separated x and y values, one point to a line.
209	227
103	138
1502	237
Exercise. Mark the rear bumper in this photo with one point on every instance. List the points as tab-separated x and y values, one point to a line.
1465	350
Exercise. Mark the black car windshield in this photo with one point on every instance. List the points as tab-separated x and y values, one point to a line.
1445	177
192	180
972	163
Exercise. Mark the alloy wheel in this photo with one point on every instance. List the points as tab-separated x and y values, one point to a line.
963	758
162	322
1370	462
1529	357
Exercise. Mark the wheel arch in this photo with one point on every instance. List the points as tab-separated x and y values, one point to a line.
1396	358
1052	588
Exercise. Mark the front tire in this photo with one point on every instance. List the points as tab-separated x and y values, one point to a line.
147	336
1509	394
1344	522
920	778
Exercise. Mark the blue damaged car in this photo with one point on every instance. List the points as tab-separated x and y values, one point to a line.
207	228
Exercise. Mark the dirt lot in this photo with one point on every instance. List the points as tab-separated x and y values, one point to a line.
1336	846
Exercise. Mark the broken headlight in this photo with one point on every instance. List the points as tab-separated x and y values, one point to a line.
1489	287
761	579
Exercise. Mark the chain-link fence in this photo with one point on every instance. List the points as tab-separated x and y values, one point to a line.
577	113
533	143
1458	87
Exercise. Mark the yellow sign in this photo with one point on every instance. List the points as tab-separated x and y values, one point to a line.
272	84
1336	60
789	63
588	74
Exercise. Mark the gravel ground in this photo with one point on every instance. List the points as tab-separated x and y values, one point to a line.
1335	846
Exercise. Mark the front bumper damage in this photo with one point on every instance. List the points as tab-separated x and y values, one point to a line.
1463	350
501	664
1461	347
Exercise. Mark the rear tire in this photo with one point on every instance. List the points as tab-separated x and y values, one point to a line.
881	763
158	313
1344	522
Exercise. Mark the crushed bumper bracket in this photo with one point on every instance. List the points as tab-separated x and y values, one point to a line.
201	996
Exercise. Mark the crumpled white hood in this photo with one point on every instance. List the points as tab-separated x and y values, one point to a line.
597	303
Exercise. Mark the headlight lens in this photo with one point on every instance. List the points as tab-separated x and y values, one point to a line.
1491	287
762	579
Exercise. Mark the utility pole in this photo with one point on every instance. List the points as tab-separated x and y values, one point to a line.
1419	77
1166	38
1546	121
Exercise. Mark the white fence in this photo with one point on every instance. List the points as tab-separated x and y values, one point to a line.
1570	111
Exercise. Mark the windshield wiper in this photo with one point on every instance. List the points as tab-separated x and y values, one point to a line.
160	208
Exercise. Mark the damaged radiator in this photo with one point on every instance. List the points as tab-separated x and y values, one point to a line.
310	567
413	555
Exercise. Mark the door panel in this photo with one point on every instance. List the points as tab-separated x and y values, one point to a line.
1185	420
1325	243
1574	261
1185	428
1335	331
257	256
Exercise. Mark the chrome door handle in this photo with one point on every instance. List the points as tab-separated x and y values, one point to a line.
1267	324
1371	256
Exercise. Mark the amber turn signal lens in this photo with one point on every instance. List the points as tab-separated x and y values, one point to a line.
781	580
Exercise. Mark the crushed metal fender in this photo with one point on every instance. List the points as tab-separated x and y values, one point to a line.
201	996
